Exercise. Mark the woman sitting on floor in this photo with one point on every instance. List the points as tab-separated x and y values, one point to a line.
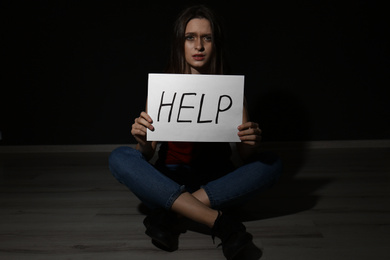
194	180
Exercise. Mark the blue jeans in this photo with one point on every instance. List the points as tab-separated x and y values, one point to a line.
156	190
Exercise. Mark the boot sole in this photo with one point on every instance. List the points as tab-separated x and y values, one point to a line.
159	242
247	241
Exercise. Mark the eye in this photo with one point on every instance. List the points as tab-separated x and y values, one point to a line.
189	37
208	38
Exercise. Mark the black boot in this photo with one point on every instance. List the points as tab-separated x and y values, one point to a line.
163	227
232	234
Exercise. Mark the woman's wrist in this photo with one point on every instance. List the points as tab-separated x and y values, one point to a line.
146	149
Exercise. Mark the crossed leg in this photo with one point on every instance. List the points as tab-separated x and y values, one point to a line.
195	206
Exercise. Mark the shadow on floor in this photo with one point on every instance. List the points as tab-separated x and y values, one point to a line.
290	195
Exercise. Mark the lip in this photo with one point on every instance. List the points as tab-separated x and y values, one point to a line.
198	57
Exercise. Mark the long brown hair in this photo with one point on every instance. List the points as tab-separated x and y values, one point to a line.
177	62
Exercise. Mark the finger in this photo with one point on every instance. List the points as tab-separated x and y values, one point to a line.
251	140
138	129
250	131
256	138
146	117
138	133
248	125
144	122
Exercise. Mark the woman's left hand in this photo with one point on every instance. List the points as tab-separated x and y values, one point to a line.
250	133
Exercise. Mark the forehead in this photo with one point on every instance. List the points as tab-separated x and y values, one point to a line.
198	25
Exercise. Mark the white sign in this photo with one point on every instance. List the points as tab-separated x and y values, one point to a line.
195	108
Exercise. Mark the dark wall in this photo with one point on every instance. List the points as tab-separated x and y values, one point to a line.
76	72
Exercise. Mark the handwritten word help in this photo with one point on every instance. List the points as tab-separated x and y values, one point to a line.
224	103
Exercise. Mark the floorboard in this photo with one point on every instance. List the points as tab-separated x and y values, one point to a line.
331	203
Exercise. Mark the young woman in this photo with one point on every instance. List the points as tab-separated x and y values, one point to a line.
194	180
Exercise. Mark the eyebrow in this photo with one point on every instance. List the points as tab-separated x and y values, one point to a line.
194	33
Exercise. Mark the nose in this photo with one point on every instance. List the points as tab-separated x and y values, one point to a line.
199	45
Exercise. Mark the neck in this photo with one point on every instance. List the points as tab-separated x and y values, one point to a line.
199	71
194	71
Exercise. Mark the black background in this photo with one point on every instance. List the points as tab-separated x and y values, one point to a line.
75	72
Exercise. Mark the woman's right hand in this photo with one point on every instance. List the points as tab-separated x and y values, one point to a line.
140	126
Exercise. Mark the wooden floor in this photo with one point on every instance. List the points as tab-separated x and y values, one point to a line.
330	204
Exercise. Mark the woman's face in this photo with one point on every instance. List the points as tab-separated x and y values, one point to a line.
198	45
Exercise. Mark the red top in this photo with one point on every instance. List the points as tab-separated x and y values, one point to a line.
179	153
208	161
193	153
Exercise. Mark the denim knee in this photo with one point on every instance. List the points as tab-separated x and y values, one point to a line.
130	168
244	183
118	156
272	169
